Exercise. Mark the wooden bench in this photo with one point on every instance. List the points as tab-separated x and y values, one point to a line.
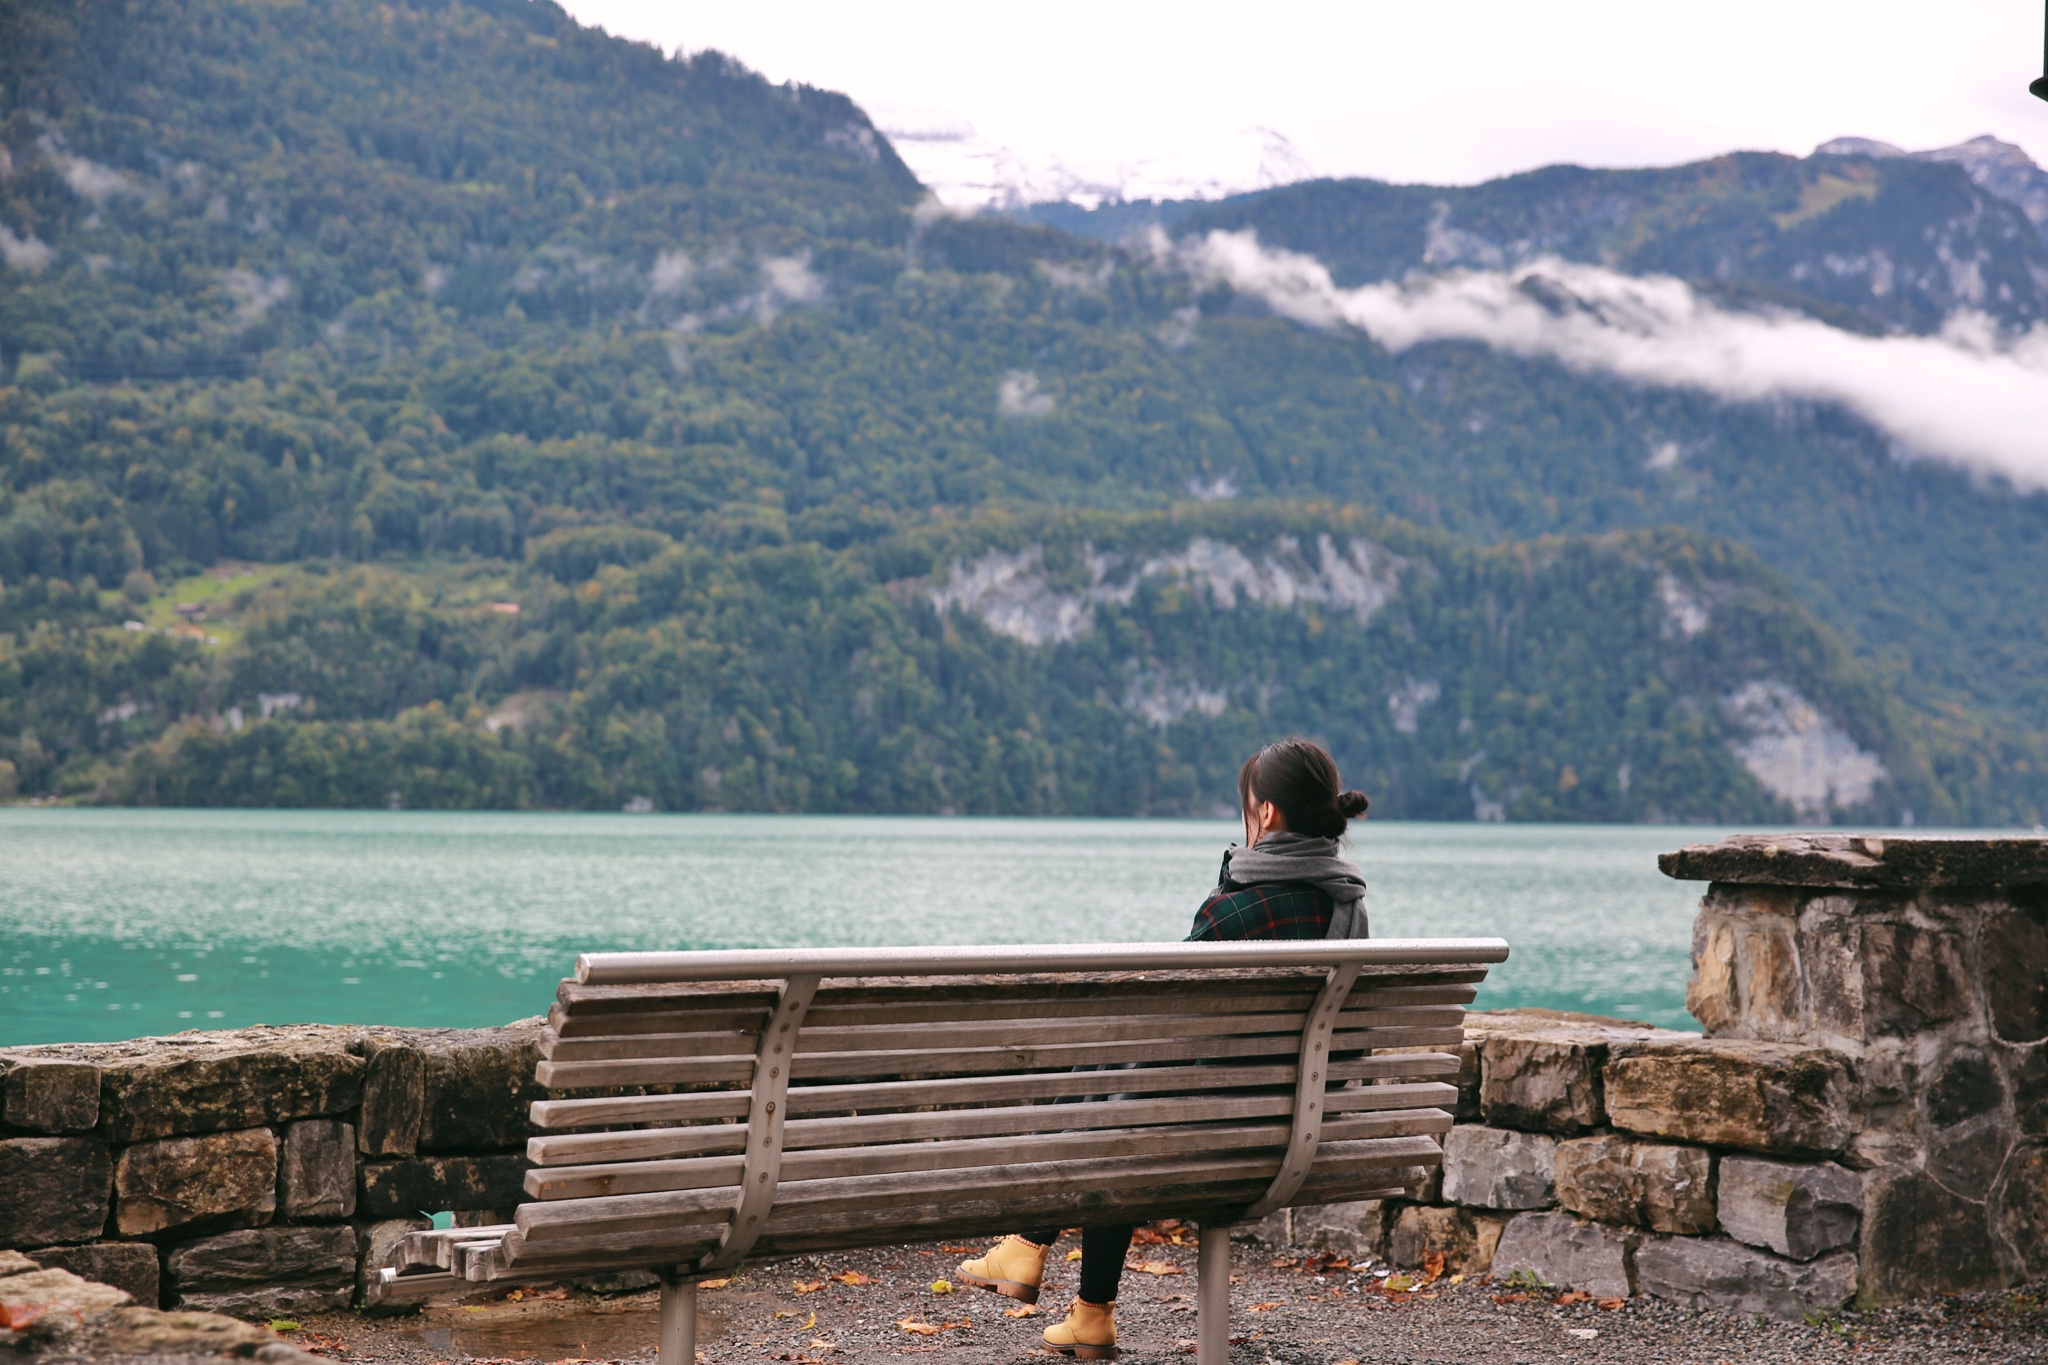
830	1099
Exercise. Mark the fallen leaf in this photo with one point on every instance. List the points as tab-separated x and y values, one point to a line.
806	1286
1022	1310
548	1294
1510	1298
1157	1268
714	1284
1284	1262
1400	1284
1347	1362
1575	1296
1432	1266
1456	1279
16	1316
820	1344
283	1325
319	1344
1074	1255
942	1287
785	1312
964	1251
1265	1307
921	1329
1610	1305
854	1277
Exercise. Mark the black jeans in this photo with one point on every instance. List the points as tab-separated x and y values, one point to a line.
1102	1257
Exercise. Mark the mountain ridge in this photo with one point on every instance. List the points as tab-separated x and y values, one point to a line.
721	426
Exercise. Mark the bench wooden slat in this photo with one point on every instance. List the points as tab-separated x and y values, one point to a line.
966	1061
665	1143
963	996
1079	1029
642	1177
878	1095
541	1222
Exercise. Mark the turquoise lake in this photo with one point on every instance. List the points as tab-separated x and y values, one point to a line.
123	923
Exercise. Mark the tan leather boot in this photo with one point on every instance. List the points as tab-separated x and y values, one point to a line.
1089	1333
1012	1266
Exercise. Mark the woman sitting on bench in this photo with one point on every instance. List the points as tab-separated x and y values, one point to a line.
1287	881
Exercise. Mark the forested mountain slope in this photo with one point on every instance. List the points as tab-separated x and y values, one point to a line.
354	328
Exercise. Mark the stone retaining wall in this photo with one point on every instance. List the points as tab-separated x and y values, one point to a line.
257	1171
1866	1115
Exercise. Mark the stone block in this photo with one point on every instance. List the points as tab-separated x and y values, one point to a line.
1547	1082
317	1169
219	1180
1704	1272
2015	956
375	1244
1647	1184
477	1085
1276	1229
128	1266
60	1291
2026	1072
1913	978
1796	1209
1498	1168
1746	979
433	1184
52	1096
1569	1252
2019	1214
1920	1239
1466	1239
1761	1097
53	1189
214	1082
394	1094
1855	860
14	1263
1356	1230
256	1271
145	1334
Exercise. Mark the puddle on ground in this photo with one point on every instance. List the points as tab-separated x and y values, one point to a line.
557	1336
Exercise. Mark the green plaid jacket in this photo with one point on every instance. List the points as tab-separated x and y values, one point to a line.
1273	910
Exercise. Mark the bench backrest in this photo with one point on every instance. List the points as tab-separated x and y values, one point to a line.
831	1099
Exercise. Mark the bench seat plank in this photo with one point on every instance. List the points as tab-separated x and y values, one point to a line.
657	1144
825	1099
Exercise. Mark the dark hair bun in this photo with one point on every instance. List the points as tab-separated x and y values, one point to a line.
1352	804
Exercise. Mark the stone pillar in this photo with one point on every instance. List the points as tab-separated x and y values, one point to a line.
1924	964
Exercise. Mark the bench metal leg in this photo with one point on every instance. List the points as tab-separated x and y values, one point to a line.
678	1339
1212	1297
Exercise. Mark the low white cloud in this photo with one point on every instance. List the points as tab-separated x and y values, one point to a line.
254	294
87	178
1970	396
672	270
1019	396
28	253
791	279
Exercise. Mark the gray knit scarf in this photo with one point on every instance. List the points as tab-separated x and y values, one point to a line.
1285	857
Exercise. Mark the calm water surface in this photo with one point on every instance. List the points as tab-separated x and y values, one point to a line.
117	924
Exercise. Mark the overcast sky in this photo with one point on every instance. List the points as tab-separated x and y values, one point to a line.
1444	93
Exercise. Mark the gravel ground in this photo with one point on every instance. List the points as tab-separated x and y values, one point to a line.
794	1311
